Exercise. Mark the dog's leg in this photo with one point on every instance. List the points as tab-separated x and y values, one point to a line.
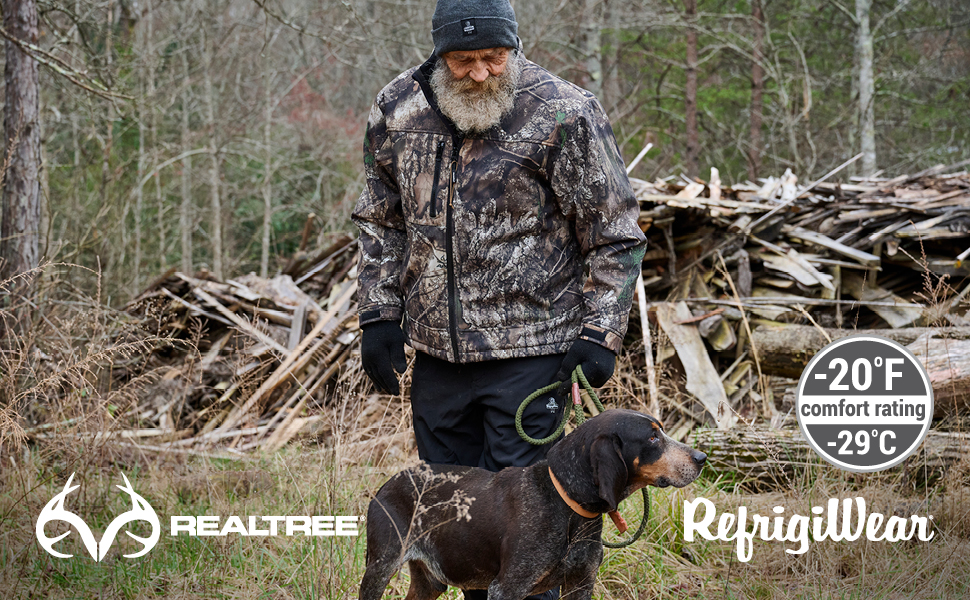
514	582
579	583
384	556
376	578
424	586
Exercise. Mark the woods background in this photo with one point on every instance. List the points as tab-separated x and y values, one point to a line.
202	133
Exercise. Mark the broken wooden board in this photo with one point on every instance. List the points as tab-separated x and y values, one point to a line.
702	378
796	269
864	291
865	258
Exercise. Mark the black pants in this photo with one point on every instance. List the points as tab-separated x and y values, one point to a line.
464	414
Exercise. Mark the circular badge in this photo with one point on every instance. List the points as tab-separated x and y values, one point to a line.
864	403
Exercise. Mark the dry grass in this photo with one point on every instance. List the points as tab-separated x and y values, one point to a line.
58	400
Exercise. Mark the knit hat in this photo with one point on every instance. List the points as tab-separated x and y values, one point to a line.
473	25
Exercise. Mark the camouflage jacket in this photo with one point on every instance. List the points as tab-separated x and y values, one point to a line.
509	243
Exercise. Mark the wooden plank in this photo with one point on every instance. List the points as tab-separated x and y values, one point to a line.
851	216
715	185
791	266
298	325
899	314
196	309
242	325
647	346
690	192
290	363
702	378
865	258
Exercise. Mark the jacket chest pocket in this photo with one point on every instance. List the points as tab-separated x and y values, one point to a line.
422	171
504	180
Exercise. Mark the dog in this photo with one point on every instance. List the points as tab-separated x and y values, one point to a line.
523	530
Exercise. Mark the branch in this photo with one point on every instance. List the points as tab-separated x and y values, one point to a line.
889	15
61	68
846	11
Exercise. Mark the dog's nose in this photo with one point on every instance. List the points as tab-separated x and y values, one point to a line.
698	457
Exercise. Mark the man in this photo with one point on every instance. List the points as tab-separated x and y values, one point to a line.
498	223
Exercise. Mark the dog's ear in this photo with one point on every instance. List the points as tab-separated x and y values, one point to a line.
609	469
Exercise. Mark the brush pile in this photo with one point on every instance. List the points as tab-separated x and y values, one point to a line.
742	285
748	282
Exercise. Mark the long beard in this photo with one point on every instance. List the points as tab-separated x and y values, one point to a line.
475	106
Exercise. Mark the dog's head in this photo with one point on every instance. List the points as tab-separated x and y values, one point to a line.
618	452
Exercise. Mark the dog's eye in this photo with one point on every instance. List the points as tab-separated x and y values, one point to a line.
653	439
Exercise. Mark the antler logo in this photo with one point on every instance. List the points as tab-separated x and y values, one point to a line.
141	511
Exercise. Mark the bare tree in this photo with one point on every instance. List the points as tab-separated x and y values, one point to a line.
186	218
591	47
19	235
757	90
866	83
210	122
267	160
690	90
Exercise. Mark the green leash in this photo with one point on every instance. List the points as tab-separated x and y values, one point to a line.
577	408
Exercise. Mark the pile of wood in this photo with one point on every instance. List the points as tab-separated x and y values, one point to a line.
255	354
741	286
746	283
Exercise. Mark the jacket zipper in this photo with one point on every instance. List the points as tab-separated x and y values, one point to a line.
437	174
453	303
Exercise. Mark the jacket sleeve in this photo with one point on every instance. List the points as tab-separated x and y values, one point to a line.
379	216
594	192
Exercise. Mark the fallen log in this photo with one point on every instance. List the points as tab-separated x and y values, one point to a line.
786	350
947	362
771	455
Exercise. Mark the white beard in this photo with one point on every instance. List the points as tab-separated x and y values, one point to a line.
475	106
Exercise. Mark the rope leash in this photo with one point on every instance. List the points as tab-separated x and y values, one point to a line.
577	408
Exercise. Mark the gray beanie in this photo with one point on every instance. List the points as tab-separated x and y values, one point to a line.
473	25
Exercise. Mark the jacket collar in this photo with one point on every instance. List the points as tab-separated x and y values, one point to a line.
423	76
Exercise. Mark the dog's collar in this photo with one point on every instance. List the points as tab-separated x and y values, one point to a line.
618	519
579	510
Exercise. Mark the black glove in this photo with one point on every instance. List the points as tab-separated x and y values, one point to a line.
382	353
597	363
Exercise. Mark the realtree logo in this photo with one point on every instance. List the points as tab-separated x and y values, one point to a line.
55	511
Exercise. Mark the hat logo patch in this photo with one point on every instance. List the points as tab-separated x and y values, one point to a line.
468	27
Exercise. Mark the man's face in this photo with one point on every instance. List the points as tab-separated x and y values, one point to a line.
477	64
476	88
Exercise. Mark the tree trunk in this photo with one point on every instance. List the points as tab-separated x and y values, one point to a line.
267	168
216	201
108	248
864	54
153	133
20	231
611	60
757	90
591	47
139	201
185	209
690	91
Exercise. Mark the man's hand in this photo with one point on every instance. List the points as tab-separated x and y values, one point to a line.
597	363
382	353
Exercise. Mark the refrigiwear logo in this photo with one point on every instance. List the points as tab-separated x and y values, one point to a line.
55	511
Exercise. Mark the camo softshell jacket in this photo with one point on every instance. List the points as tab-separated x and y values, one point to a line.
509	243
